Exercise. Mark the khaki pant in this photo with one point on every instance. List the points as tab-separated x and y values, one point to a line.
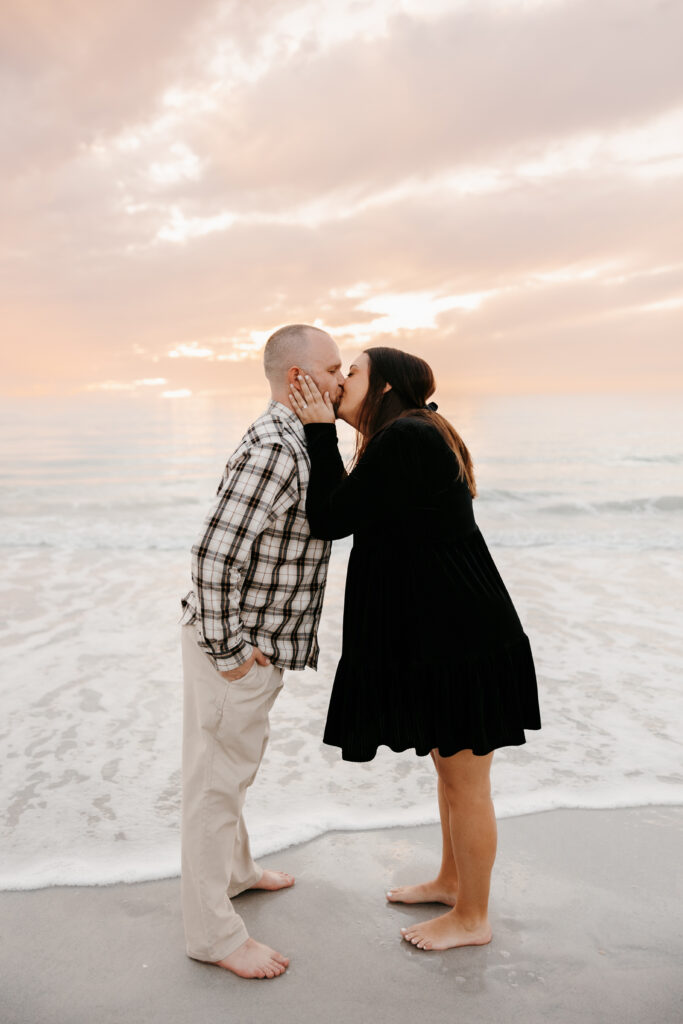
225	732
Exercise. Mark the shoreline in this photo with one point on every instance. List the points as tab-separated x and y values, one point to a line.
135	875
580	907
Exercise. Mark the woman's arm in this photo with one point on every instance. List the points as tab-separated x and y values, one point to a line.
377	489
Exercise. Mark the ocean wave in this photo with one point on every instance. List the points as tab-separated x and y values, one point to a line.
14	505
537	502
580	458
664	503
496	495
532	537
675	459
173	524
68	543
99	867
585	542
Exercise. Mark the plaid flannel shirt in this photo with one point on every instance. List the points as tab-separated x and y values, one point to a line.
258	576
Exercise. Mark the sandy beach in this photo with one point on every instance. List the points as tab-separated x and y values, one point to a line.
583	913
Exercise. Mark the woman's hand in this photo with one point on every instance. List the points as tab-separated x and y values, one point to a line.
309	405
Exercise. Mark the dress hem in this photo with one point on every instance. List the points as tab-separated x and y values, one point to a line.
364	758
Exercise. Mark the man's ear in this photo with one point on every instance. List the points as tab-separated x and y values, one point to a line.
293	374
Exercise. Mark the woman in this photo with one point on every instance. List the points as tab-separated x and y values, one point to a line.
434	656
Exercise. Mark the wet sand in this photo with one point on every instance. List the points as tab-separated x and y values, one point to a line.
584	914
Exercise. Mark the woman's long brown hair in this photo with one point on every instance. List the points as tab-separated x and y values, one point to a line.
412	383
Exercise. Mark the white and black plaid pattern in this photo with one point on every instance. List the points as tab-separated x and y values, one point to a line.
258	576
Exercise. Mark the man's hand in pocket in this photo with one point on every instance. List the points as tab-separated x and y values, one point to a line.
238	673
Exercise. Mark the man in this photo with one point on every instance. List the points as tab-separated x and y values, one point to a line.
258	581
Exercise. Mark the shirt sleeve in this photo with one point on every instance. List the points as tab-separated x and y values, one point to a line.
338	504
258	489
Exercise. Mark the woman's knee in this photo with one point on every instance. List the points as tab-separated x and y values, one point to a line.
466	793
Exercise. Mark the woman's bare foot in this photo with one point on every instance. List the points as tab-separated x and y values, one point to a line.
426	892
254	960
448	931
273	880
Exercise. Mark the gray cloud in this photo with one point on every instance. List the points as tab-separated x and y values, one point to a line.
76	72
471	87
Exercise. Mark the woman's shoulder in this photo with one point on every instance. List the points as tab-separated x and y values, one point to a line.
408	440
408	429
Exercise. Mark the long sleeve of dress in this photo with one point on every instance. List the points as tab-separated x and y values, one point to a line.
338	504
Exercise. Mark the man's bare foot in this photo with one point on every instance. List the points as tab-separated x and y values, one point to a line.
426	892
254	960
448	931
273	880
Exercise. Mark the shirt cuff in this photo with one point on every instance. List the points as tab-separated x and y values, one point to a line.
233	660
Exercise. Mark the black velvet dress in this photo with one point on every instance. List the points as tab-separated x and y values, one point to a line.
434	655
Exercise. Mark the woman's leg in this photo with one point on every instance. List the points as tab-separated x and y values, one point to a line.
467	790
443	888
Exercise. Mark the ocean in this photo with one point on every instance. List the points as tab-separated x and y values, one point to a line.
581	504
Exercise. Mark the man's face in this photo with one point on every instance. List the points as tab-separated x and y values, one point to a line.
324	366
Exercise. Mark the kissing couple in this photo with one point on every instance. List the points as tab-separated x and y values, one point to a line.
434	657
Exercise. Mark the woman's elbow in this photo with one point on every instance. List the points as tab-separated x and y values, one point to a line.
322	529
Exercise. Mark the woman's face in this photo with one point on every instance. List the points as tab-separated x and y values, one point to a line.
355	389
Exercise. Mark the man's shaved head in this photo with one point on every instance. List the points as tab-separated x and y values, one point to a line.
289	346
301	349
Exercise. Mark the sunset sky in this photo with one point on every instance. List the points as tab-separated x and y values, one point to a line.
496	185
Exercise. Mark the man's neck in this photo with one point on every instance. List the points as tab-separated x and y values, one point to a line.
282	397
283	402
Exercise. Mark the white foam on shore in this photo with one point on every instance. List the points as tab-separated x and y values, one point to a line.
96	867
92	717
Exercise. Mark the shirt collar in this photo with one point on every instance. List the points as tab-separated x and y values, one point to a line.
287	418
